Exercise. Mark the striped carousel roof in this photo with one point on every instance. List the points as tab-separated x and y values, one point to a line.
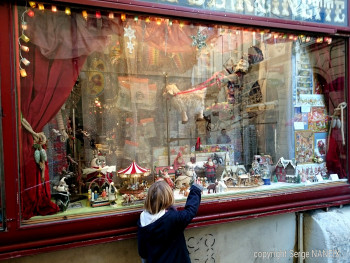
133	169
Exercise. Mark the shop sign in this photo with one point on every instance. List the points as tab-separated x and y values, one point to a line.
332	12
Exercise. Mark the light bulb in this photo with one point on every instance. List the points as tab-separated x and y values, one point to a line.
25	48
24	38
54	8
23	72
25	61
67	11
24	25
32	4
85	14
111	15
41	7
123	17
30	13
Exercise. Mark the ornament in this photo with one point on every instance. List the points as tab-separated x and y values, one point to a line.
130	46
199	40
130	34
37	156
43	155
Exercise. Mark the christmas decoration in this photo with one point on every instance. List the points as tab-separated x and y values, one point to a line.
199	40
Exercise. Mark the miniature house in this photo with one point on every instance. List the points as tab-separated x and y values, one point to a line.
285	168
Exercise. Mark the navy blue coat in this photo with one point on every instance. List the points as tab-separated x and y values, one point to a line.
163	241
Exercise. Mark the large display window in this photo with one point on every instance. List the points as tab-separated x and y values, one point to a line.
111	101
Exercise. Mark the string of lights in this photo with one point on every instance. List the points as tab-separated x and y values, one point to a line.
257	34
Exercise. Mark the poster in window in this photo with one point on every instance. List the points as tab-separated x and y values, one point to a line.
304	146
321	144
124	97
318	119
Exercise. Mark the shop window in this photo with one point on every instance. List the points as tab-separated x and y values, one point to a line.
113	101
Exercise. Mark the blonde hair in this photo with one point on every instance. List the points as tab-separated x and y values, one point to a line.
159	197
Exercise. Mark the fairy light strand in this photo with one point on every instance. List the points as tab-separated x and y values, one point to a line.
23	48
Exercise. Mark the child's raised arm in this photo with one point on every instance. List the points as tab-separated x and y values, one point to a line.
192	205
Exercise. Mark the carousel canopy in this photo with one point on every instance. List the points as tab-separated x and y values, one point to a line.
133	169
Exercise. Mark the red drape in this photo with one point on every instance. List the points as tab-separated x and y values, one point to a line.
336	154
44	90
59	45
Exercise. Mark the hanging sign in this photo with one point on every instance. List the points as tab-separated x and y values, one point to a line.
332	12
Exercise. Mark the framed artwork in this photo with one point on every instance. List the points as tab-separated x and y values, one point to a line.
320	144
300	119
304	146
318	119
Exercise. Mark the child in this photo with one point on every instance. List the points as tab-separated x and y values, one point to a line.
161	228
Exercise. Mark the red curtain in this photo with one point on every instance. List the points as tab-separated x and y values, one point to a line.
336	154
44	91
59	45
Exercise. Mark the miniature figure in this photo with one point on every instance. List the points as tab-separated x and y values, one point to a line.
179	161
221	186
112	193
212	187
62	198
104	194
189	100
210	170
166	177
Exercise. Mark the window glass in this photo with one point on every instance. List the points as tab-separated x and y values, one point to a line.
113	101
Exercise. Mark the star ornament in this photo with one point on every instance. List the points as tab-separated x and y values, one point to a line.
199	40
130	46
129	32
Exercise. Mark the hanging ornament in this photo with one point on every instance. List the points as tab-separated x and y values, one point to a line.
37	156
130	34
199	40
43	155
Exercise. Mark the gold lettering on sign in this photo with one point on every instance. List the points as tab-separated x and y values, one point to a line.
247	3
260	6
217	4
171	1
306	11
196	2
328	5
285	11
339	7
293	7
275	7
317	4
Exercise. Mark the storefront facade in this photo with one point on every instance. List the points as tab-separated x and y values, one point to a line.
101	98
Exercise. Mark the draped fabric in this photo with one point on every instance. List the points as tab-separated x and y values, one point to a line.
336	155
43	92
57	54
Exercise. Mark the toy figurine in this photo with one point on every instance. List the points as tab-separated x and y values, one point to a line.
62	198
112	193
191	166
104	194
212	187
210	170
179	161
167	178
